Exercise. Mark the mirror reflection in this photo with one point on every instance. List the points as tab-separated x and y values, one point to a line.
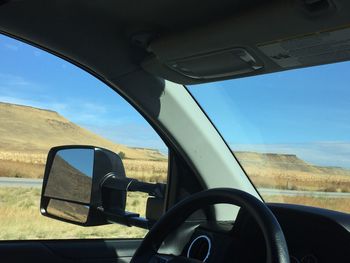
70	177
67	210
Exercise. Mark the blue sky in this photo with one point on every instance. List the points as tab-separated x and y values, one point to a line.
304	112
80	159
29	76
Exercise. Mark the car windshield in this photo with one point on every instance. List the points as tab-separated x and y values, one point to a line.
289	130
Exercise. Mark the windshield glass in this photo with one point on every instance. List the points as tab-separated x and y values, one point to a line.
289	130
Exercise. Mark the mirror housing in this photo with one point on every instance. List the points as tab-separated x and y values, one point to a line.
87	186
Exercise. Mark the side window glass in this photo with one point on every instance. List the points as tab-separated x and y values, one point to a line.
45	102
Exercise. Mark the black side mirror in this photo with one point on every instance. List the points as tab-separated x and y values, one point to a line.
87	185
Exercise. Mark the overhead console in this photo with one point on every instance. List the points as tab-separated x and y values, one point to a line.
273	36
216	64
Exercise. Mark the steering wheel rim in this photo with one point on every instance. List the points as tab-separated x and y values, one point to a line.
276	246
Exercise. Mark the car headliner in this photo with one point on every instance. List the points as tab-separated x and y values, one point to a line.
98	34
112	38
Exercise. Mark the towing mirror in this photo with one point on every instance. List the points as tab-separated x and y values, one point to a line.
87	185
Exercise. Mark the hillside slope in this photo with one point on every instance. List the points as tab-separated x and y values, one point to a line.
31	130
272	162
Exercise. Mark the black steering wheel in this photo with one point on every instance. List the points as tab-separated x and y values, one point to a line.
276	246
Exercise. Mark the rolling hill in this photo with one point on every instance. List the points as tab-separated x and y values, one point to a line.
28	131
284	162
287	171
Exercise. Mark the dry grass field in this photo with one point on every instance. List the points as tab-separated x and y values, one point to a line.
283	171
302	181
21	170
19	207
338	204
147	171
150	171
20	219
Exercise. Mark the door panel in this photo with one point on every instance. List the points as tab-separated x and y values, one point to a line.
62	251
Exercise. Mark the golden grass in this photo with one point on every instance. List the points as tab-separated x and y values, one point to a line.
19	207
21	169
287	171
23	157
296	180
292	178
338	204
20	219
149	171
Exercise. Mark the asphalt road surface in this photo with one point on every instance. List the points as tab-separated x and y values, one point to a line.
20	182
266	191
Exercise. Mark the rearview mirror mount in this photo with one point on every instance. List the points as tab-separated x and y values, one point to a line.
87	186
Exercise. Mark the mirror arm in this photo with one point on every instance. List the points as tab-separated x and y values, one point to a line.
156	190
113	181
126	218
114	209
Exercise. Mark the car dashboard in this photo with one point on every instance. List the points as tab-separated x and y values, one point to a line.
313	235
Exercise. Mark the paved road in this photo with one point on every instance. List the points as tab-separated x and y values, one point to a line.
20	182
24	182
266	191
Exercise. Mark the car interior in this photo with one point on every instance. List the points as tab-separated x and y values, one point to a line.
146	51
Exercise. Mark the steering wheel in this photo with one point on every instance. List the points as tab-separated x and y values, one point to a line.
276	246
